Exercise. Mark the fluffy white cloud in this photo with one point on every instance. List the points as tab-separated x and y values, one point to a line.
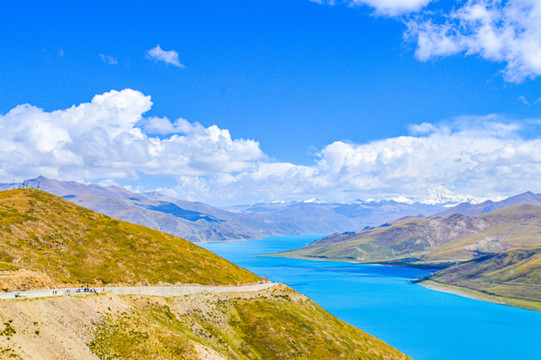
393	7
109	138
163	126
105	139
169	57
384	7
506	31
436	163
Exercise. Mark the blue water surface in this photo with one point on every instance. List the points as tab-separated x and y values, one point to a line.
381	300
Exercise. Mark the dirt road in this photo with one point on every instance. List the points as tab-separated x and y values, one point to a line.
167	291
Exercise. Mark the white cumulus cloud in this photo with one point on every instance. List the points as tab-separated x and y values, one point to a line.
438	162
169	57
105	138
109	139
506	31
393	7
503	31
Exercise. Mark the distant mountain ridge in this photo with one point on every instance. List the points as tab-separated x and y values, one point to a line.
199	222
311	215
527	198
178	218
432	241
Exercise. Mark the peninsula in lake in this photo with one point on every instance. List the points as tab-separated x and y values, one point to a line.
495	255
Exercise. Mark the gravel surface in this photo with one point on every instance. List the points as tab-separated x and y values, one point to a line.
167	291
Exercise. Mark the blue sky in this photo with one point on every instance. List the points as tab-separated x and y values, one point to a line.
287	99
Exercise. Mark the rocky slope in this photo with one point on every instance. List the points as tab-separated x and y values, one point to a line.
274	324
433	241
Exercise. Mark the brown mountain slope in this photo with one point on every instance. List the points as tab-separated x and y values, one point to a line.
495	255
432	241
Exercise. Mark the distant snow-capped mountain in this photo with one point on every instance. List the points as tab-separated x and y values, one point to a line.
325	217
201	222
193	221
472	209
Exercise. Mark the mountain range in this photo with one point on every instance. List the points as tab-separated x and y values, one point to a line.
433	241
470	209
193	221
199	222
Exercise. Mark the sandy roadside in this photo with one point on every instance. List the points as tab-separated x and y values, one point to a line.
165	291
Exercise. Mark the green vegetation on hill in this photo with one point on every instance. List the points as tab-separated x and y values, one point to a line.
276	325
512	276
48	241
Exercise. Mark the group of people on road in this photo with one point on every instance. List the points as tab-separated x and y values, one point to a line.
21	294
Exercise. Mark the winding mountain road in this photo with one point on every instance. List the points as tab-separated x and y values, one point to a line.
166	291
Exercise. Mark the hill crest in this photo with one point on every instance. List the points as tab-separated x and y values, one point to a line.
67	244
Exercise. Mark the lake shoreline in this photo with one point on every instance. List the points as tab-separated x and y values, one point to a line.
477	295
430	284
382	300
398	263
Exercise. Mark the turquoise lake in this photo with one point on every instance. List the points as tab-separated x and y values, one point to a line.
381	300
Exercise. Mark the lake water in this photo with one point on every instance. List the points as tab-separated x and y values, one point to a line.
380	300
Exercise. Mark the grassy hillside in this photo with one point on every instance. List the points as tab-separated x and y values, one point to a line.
513	275
48	241
275	324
